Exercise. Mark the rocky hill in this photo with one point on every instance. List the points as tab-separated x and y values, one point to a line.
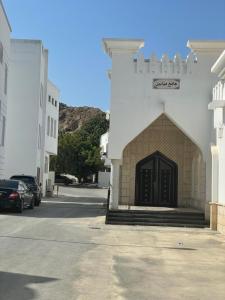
72	118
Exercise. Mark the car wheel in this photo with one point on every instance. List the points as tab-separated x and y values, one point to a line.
21	207
37	202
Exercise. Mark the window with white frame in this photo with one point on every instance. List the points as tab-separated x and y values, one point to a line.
46	164
51	134
1	52
48	126
54	128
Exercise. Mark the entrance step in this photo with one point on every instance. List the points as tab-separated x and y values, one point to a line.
156	218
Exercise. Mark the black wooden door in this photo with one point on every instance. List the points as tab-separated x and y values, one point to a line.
156	181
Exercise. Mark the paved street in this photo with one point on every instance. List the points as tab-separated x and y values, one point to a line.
62	250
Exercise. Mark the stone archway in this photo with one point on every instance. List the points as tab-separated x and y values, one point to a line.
164	136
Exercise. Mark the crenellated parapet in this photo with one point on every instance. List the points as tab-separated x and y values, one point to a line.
165	66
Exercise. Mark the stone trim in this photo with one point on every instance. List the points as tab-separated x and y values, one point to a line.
217	217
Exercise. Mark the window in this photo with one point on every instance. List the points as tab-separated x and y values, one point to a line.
48	126
55	103
9	184
1	52
6	79
21	187
54	128
51	127
46	164
49	98
3	131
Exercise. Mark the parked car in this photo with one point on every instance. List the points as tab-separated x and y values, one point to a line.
15	194
32	183
63	179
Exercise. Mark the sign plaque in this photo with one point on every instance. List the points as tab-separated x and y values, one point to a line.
166	84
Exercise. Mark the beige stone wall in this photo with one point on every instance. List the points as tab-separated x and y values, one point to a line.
164	136
221	218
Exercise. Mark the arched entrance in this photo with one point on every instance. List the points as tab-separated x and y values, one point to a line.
156	181
165	137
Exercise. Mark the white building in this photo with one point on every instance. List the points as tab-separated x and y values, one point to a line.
5	30
104	176
218	149
51	129
104	144
160	126
32	112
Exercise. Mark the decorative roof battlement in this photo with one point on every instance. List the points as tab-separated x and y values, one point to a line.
165	65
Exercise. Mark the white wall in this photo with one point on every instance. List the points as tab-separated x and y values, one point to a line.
135	104
28	144
52	111
218	107
24	111
51	135
5	30
103	179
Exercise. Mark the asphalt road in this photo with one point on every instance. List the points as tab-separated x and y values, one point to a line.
62	250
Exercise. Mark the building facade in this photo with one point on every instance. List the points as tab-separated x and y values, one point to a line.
160	127
5	30
29	139
104	175
50	131
218	148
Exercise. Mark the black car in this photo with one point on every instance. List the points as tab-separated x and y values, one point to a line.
15	194
63	179
31	182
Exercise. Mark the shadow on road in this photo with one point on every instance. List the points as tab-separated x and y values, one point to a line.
65	207
16	286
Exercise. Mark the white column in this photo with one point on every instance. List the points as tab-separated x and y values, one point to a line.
114	184
215	187
215	173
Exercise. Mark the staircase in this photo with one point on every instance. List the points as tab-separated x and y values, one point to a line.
175	218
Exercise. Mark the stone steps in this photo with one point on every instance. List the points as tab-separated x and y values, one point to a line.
156	218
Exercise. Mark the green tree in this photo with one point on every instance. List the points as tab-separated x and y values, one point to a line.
79	152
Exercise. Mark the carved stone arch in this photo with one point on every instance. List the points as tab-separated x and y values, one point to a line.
165	137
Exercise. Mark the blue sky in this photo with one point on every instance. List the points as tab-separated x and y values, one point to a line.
72	30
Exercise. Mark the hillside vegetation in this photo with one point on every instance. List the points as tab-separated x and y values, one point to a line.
80	129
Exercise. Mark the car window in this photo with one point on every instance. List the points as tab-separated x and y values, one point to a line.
21	186
12	184
26	179
24	186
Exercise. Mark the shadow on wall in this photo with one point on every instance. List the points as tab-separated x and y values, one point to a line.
16	286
